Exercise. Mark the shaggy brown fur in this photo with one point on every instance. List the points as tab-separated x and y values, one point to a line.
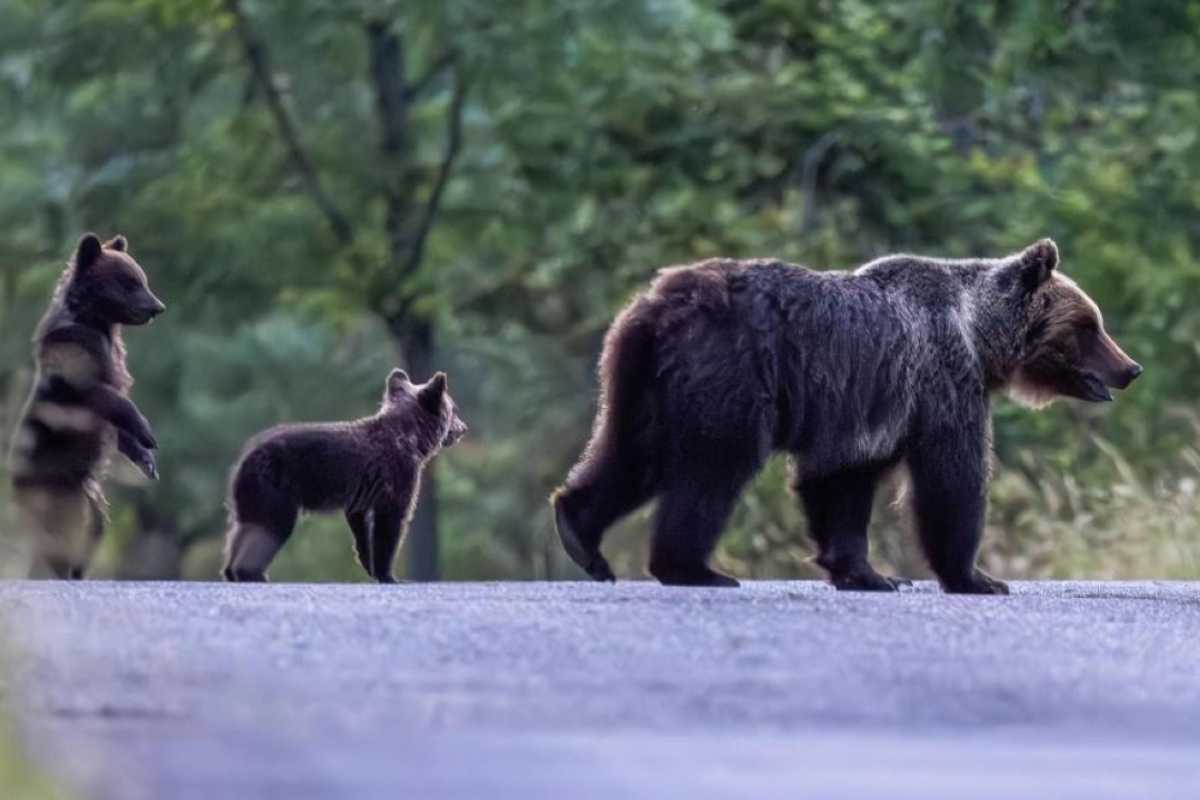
79	406
721	363
369	468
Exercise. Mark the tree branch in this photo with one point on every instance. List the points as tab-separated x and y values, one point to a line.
453	144
260	67
418	87
386	57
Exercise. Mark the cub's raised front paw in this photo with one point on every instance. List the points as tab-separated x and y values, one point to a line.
147	465
146	438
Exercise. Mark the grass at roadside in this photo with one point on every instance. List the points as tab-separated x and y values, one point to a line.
19	779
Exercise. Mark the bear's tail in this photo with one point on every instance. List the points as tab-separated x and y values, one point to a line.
618	470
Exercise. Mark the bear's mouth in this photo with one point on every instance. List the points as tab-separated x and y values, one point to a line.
1093	389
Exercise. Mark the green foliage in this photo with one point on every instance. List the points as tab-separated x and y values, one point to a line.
601	141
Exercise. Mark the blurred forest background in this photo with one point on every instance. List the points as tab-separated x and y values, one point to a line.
320	190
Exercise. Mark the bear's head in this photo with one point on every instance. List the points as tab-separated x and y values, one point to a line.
1065	351
107	287
432	401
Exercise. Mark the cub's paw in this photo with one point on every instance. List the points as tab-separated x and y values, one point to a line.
143	434
144	461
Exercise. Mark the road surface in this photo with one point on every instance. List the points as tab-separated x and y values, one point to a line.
577	690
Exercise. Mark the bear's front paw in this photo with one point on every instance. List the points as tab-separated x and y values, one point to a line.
979	583
863	578
145	436
146	463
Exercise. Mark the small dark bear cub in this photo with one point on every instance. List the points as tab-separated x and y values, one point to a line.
369	468
79	408
718	365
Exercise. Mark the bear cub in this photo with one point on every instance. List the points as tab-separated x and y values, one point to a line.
369	468
79	408
719	364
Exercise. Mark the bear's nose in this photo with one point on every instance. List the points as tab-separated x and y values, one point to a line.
1134	370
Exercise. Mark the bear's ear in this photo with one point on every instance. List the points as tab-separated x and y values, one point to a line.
397	380
87	251
1036	262
431	393
118	243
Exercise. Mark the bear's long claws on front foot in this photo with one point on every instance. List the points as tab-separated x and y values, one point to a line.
979	583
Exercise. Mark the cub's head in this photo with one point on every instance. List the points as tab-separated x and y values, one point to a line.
1065	350
105	285
432	401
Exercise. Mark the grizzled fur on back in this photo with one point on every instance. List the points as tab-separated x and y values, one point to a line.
369	468
79	407
721	363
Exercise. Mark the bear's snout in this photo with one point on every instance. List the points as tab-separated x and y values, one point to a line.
1128	375
1116	368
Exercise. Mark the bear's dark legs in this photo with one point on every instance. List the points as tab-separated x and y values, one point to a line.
596	495
265	518
361	528
839	510
699	492
97	519
387	531
949	492
252	548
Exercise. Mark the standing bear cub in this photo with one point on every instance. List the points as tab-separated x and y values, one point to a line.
721	363
79	408
370	468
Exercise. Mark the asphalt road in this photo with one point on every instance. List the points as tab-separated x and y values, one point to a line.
572	690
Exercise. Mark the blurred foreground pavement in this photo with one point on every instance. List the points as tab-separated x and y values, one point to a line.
534	690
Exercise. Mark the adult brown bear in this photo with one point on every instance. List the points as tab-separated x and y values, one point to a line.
721	363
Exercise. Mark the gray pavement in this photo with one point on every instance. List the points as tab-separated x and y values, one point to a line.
577	690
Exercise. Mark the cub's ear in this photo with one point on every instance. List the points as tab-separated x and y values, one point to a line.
1036	262
397	380
118	243
431	393
87	251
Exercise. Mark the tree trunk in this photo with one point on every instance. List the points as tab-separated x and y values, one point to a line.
415	340
156	551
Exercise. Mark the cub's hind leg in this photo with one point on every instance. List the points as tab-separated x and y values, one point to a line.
58	525
838	508
360	525
97	518
249	551
262	521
